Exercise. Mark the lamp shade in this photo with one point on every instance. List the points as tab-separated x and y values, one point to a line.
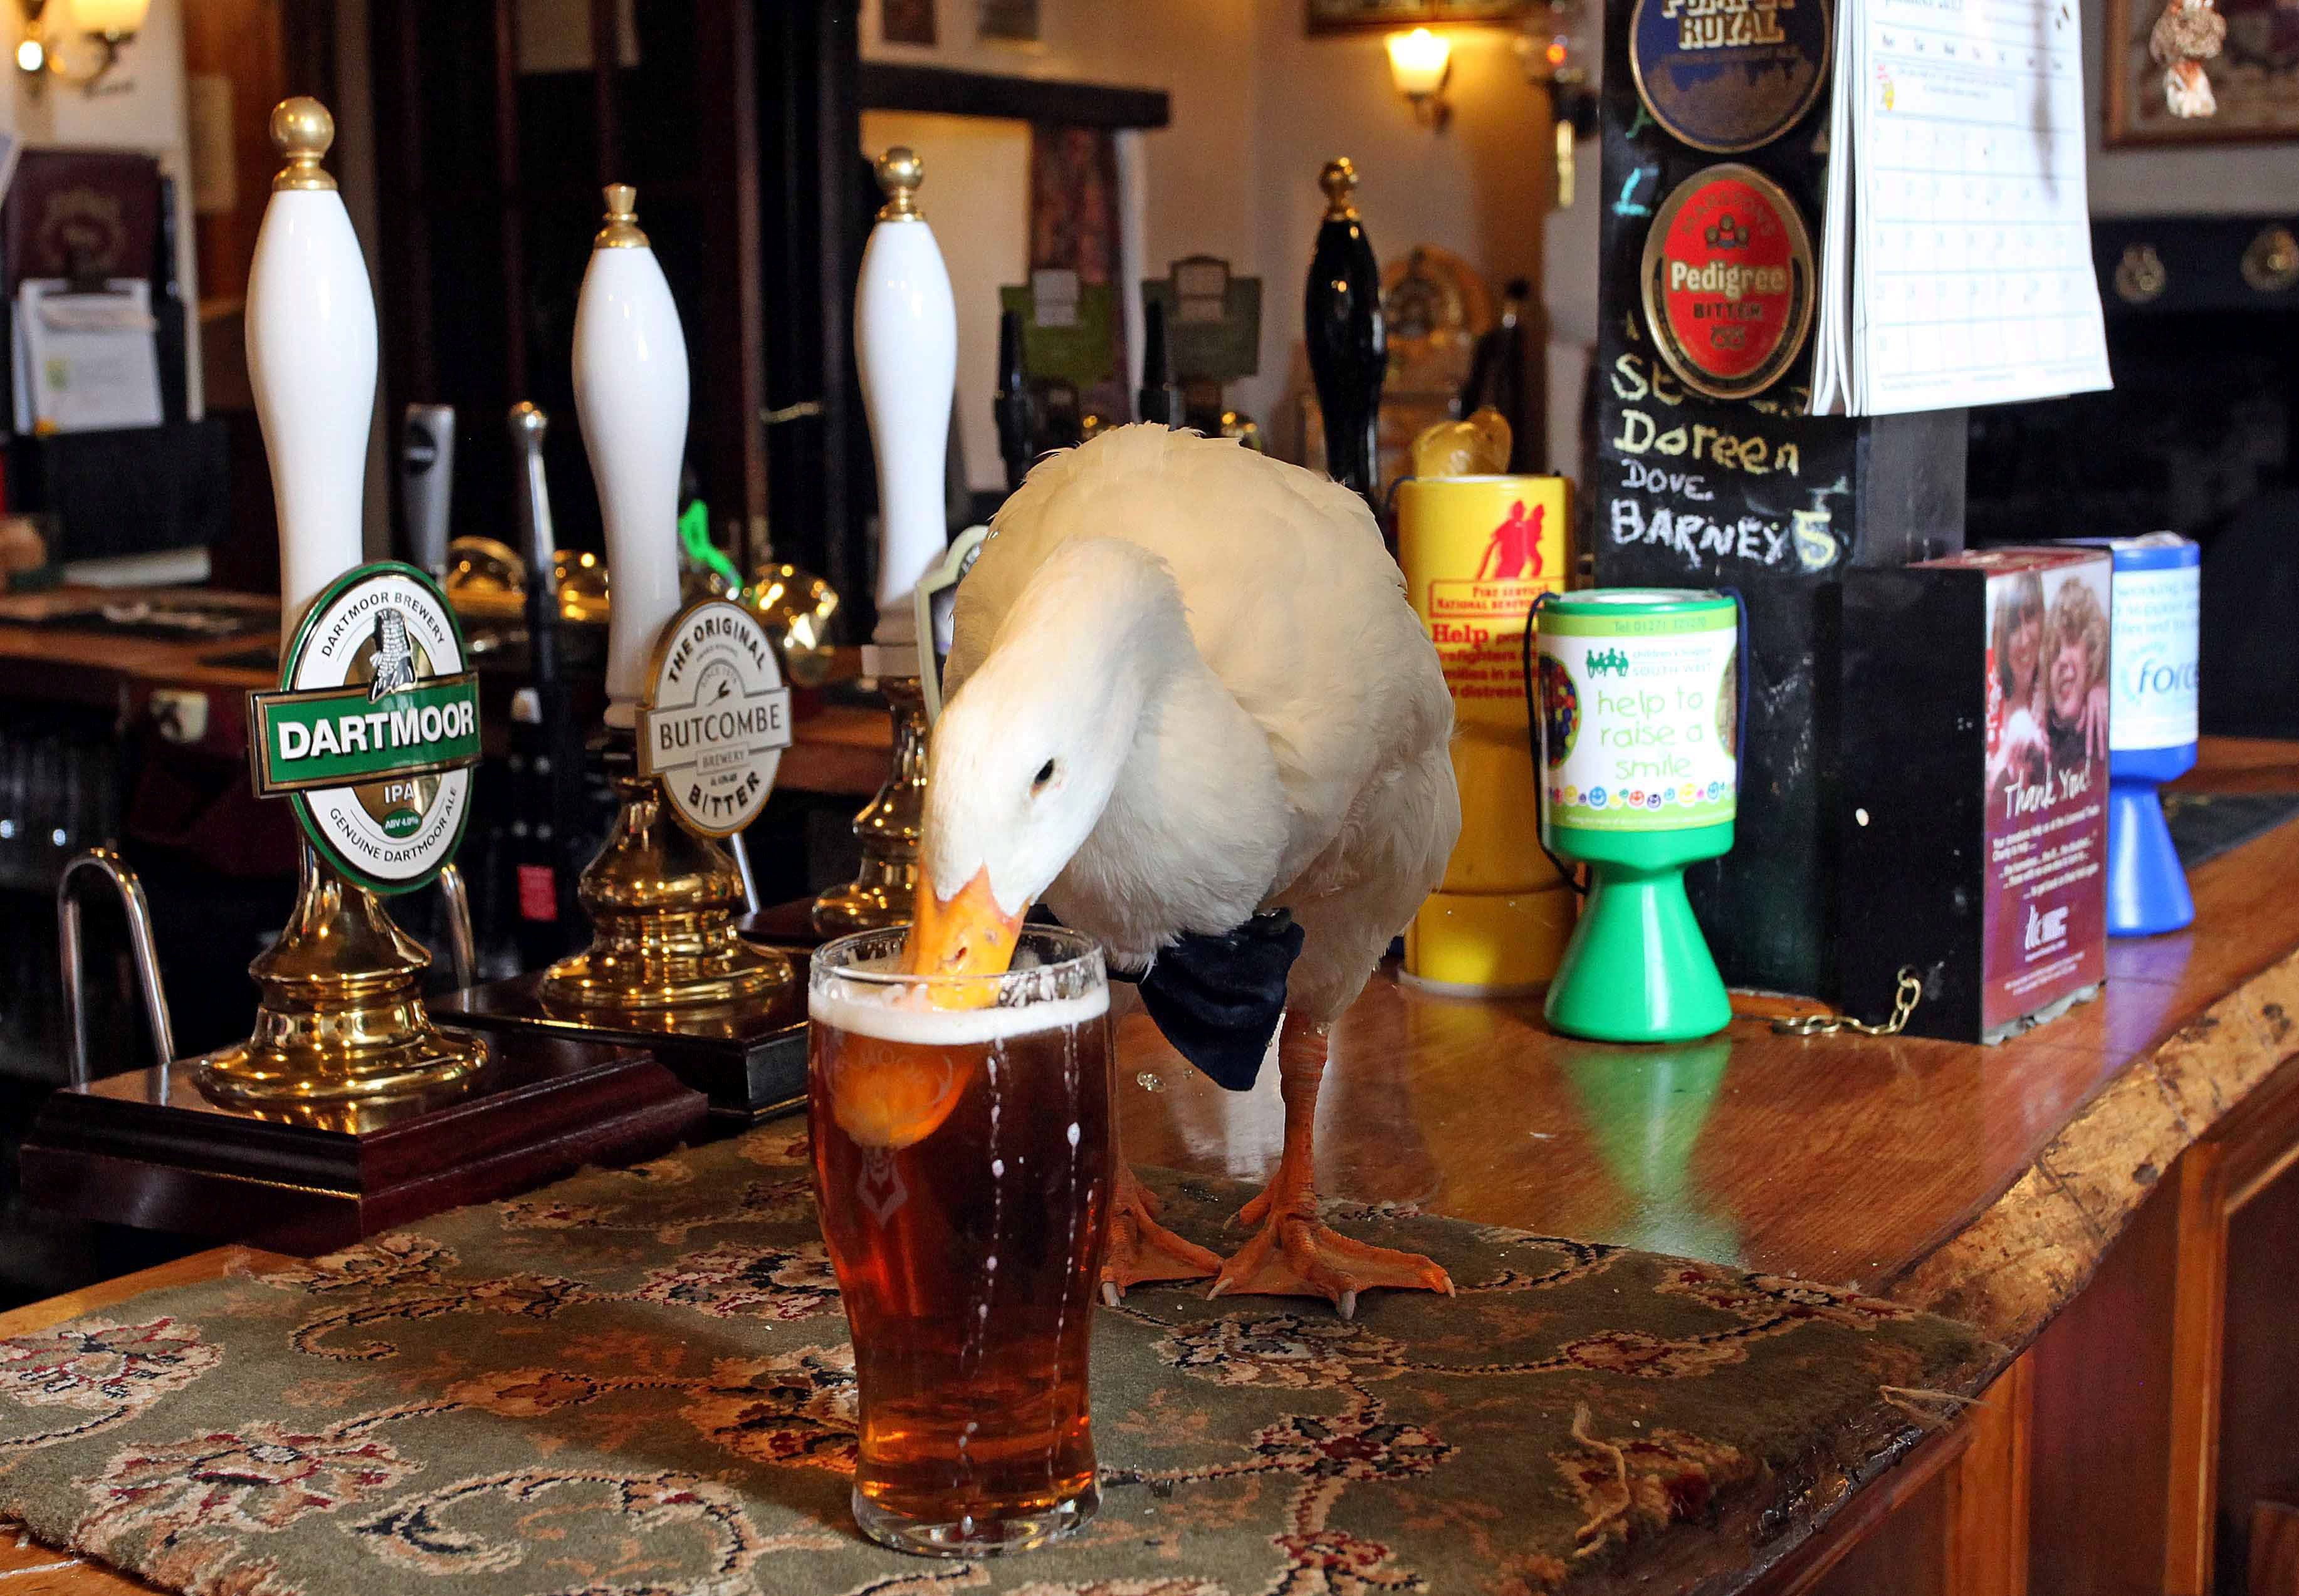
1417	60
112	19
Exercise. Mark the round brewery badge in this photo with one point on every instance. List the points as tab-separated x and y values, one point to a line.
1728	281
1726	76
715	718
374	729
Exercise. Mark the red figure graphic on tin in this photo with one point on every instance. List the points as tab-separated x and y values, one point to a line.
1513	551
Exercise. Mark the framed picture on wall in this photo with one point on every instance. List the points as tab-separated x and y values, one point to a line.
908	21
1348	16
2255	78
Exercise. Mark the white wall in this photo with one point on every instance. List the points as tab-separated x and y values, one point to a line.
141	107
1257	108
1199	52
1480	187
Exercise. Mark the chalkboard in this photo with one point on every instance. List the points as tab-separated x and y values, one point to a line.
1758	497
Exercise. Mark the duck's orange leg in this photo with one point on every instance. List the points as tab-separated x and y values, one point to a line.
1292	1254
1141	1249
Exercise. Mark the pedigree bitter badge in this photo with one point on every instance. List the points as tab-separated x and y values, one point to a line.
1728	282
374	728
1726	76
715	718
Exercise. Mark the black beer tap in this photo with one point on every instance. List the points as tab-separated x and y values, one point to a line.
558	754
1012	406
427	484
1349	348
1160	397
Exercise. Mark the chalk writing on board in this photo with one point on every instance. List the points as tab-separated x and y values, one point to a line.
1634	380
1639	477
1815	542
1802	542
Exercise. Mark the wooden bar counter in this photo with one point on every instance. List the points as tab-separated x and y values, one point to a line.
2094	1194
841	749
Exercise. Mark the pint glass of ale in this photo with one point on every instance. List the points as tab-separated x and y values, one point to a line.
962	1162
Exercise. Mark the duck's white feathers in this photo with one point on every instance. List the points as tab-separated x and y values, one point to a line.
1333	795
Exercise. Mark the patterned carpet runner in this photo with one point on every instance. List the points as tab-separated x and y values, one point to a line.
640	1382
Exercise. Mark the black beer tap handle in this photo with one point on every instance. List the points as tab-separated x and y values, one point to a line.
1160	397
1349	348
1012	406
562	739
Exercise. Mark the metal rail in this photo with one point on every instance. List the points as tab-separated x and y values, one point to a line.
139	942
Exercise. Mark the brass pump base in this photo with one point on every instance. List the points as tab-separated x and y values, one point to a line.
662	902
882	893
341	1028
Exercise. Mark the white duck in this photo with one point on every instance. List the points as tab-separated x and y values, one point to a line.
1186	687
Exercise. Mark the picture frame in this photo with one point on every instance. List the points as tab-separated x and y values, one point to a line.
2254	77
908	21
1360	16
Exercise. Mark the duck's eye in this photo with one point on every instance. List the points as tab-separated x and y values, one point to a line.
1045	775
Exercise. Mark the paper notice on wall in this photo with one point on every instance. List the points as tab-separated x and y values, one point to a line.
1957	184
86	362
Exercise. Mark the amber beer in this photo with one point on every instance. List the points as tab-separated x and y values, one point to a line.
962	1162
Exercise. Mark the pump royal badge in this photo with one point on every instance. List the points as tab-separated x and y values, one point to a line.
1728	282
715	718
1726	76
374	729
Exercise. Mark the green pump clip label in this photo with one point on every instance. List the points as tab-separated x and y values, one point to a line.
335	737
1637	718
374	728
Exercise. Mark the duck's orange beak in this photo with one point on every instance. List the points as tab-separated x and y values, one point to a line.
965	935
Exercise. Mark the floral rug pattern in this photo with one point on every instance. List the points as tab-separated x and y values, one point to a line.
639	1382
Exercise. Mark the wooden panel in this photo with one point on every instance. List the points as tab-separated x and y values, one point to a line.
1903	1555
1960	1527
2196	1309
2100	1482
730	358
889	85
238	41
2258	1453
2274	1564
1986	1528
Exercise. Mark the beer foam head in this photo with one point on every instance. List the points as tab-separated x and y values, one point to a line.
898	1012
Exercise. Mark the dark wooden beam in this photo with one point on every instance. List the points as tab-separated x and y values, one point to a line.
886	85
732	360
512	222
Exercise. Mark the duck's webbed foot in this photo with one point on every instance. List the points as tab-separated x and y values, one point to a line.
1292	1254
1141	1249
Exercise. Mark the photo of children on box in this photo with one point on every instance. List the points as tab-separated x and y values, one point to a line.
2048	708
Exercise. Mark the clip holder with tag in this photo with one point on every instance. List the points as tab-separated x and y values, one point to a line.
697	717
370	737
666	968
662	895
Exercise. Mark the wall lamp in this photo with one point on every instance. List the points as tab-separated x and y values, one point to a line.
1418	64
112	23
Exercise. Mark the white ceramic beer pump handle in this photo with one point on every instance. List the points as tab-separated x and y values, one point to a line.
906	344
310	359
631	397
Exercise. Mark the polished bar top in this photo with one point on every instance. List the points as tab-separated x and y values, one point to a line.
1983	1182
